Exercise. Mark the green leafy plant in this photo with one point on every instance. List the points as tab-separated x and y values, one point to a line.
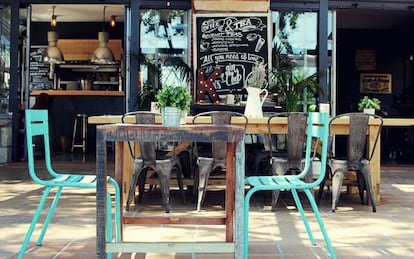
174	96
369	103
178	71
292	82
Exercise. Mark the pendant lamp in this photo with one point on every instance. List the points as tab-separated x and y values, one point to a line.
103	54
52	55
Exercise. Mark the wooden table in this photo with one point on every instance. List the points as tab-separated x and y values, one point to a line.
234	200
279	125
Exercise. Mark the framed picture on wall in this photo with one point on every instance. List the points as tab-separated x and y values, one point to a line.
375	83
365	60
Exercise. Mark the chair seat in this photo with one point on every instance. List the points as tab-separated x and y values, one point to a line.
275	182
74	180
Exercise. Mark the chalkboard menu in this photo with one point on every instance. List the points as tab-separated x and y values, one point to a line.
38	71
232	43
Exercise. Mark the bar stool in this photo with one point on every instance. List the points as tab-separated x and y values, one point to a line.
83	123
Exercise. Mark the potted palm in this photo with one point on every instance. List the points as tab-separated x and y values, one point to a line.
173	101
369	105
291	82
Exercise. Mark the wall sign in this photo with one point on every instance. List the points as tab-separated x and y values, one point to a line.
365	60
232	43
38	71
375	83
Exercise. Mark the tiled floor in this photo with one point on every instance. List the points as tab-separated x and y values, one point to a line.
355	231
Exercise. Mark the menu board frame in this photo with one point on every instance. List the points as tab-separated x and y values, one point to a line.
39	71
232	43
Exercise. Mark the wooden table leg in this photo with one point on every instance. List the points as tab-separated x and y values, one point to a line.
230	188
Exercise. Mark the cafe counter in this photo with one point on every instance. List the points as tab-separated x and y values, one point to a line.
77	92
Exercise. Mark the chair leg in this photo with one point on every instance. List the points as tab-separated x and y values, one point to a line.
141	185
315	209
322	185
279	167
361	188
179	175
337	180
34	221
246	221
138	164
196	173
338	169
365	171
205	166
49	215
303	216
108	222
163	169
117	190
108	218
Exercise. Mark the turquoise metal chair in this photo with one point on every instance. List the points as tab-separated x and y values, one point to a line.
37	126
317	129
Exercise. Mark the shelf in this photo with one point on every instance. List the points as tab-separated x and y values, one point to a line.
90	67
78	92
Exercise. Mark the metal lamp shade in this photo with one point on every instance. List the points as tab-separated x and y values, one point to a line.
52	54
103	54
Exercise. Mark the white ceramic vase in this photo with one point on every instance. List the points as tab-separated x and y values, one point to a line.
254	105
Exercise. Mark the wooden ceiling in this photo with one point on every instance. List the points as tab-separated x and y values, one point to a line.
232	5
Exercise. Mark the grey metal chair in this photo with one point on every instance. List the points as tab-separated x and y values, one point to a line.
357	159
292	162
208	163
149	159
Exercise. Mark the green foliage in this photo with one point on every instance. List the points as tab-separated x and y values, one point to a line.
369	103
179	72
175	96
290	81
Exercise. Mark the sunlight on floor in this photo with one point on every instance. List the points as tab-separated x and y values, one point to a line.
404	187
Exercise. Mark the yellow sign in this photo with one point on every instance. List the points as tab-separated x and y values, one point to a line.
375	83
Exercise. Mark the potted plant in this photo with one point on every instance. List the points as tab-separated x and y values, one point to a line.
255	82
173	100
369	105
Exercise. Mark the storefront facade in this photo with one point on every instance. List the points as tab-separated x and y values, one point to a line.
153	33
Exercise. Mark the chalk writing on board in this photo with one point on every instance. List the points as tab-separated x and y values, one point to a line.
234	44
38	71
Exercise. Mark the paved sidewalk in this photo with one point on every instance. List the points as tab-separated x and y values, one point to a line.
355	231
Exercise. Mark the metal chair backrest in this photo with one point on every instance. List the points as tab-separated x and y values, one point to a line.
147	149
218	149
357	139
37	126
317	129
295	137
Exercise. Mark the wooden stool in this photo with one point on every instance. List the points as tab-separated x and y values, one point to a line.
83	120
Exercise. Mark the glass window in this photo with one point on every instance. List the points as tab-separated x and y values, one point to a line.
295	49
164	51
5	58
